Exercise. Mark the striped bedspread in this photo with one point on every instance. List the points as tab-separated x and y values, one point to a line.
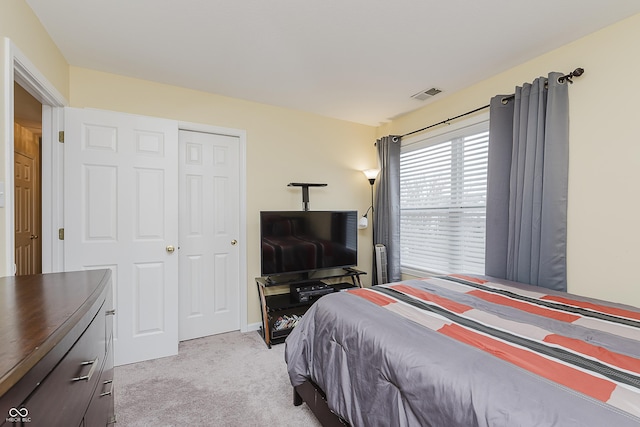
464	350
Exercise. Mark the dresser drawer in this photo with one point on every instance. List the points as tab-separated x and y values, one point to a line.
101	409
62	398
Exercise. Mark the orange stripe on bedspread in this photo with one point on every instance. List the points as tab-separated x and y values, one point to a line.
583	382
529	308
615	359
374	297
469	278
595	307
456	307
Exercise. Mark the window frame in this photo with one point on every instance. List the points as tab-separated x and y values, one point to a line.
478	123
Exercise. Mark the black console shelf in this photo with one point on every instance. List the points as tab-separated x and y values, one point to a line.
282	308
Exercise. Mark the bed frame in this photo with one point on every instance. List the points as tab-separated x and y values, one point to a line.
315	398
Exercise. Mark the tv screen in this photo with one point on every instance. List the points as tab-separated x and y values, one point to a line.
302	241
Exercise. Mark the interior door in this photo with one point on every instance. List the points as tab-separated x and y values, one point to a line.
209	227
28	252
121	212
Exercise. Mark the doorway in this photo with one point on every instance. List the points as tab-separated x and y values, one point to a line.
27	139
22	71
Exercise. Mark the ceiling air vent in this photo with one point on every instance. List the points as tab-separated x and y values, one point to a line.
426	94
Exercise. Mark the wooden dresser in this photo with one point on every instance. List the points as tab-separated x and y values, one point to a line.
56	350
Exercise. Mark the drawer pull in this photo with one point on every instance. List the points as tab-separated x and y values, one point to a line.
110	312
107	393
94	365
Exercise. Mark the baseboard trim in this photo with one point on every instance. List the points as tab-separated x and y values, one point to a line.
253	327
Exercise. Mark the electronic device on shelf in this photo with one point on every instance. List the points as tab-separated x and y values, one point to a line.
310	292
307	241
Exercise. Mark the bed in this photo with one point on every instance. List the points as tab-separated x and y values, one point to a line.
463	350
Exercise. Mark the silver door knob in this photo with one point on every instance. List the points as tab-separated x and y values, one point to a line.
33	236
170	249
234	242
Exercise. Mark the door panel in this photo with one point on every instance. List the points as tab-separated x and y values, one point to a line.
209	229
149	213
121	212
149	299
101	202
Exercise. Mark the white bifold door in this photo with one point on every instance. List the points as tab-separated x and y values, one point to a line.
209	227
123	191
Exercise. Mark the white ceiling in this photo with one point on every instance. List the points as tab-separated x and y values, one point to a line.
357	60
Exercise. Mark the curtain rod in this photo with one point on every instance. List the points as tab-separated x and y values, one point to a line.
568	77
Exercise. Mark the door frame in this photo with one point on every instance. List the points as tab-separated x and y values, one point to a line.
242	159
18	68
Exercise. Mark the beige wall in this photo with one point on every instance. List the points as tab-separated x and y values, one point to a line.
19	25
282	146
604	164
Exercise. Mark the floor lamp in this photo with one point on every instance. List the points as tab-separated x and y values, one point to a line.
371	175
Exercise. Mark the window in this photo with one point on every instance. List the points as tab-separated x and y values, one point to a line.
443	187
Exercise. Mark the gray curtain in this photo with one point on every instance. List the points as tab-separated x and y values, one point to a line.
527	184
386	213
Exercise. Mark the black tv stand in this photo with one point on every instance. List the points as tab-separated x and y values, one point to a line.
280	311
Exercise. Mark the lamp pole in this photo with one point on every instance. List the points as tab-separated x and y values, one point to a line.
371	175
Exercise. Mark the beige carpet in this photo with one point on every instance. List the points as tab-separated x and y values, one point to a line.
230	379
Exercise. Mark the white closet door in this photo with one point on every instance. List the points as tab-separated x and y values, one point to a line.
209	234
121	212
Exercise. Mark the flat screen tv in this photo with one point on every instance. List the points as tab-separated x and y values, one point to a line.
304	241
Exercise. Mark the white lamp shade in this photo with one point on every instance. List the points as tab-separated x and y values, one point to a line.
371	173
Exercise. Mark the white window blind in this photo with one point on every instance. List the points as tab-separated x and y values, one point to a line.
443	186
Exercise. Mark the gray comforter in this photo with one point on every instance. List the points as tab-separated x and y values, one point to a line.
457	351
